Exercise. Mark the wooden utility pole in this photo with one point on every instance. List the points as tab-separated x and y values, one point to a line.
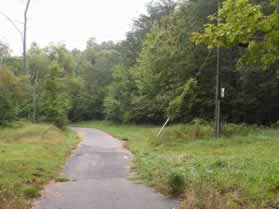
217	96
218	90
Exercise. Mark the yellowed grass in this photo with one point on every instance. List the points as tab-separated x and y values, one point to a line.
30	156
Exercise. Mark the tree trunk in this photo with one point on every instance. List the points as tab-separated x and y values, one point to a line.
25	36
34	98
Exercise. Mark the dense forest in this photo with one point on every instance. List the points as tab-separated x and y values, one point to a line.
164	68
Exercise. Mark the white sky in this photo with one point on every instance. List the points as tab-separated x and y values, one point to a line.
70	21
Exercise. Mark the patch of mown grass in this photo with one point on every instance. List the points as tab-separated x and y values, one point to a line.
30	156
240	170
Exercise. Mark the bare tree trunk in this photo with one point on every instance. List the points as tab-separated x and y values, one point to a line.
34	98
25	36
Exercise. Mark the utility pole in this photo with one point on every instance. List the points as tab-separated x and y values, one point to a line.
218	90
217	96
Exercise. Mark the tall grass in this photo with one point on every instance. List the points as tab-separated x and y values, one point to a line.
30	156
239	170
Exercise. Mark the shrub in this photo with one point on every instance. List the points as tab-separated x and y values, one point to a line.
7	111
176	183
10	92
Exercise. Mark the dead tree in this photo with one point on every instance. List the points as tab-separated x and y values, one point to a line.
23	33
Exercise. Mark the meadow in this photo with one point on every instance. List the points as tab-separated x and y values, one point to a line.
239	170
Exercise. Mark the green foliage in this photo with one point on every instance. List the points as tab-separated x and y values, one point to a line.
167	61
176	183
94	73
176	105
119	94
10	93
241	22
7	111
56	104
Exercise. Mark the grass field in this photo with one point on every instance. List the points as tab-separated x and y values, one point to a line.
30	156
240	170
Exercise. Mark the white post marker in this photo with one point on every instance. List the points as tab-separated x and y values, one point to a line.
163	127
223	93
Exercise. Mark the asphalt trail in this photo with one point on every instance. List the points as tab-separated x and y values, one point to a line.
98	174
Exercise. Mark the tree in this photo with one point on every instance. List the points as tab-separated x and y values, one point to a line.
56	105
118	98
167	62
132	45
95	70
244	24
10	92
4	52
38	69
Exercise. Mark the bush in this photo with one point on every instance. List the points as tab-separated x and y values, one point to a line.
7	111
10	92
176	183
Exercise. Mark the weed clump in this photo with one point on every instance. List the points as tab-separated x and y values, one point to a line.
176	183
31	192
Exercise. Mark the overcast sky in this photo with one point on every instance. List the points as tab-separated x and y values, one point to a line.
70	21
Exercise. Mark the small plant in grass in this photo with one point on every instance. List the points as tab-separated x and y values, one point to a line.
219	164
176	183
31	192
61	179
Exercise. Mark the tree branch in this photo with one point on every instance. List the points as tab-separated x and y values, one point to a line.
12	23
26	9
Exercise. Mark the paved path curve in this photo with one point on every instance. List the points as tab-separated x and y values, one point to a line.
98	173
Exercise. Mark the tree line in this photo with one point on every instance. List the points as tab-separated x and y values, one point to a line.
164	68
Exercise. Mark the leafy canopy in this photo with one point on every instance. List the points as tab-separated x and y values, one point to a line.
243	23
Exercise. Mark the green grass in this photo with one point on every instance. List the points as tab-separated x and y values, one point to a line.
242	168
30	156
